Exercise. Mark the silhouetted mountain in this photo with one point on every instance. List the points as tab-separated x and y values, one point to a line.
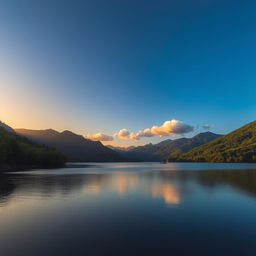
74	146
237	146
120	149
142	153
167	148
18	152
6	127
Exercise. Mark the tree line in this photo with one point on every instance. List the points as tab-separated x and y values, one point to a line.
17	150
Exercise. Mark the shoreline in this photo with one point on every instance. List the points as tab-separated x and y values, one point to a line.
21	168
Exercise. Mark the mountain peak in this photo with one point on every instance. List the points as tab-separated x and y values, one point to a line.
67	132
52	131
204	134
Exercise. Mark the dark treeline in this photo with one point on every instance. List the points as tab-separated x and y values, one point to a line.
16	150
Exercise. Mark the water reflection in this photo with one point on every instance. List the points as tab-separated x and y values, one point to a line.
6	189
123	182
171	186
128	210
170	194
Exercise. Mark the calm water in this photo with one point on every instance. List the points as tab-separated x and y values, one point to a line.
130	209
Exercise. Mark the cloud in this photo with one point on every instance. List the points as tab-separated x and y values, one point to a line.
99	137
206	126
122	134
172	127
145	133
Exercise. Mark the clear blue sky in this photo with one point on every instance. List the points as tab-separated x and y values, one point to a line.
100	66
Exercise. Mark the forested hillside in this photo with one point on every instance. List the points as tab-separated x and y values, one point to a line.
237	146
16	150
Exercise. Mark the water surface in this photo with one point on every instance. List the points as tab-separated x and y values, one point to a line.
130	209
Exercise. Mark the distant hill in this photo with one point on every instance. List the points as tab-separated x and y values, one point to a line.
167	148
19	152
74	146
141	153
237	146
120	149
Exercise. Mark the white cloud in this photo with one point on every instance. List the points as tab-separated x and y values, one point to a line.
206	126
99	137
123	134
172	127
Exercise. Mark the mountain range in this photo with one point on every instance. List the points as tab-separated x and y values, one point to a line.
237	146
78	148
167	148
74	146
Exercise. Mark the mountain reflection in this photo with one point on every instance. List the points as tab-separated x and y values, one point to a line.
6	189
171	186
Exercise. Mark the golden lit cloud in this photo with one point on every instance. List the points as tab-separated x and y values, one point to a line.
145	133
123	134
172	127
99	137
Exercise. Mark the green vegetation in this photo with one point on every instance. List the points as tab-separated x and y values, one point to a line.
237	146
167	148
16	150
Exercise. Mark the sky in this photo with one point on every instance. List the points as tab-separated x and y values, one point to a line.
128	72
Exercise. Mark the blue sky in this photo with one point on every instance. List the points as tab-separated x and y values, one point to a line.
101	66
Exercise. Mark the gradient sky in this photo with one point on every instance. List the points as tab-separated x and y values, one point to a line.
100	66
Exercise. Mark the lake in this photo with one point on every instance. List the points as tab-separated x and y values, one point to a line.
130	209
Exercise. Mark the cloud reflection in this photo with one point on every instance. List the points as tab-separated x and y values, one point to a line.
125	182
168	192
169	186
122	183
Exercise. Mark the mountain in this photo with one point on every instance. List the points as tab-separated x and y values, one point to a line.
19	152
237	146
141	153
74	146
120	149
167	148
6	127
184	145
